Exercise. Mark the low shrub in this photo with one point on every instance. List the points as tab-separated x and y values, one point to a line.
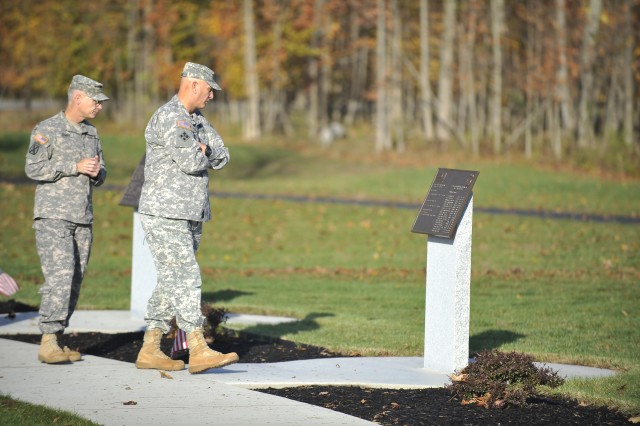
500	379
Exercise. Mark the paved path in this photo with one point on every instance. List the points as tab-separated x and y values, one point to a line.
116	393
544	214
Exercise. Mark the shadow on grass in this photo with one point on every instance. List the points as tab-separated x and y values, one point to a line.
308	323
222	296
492	339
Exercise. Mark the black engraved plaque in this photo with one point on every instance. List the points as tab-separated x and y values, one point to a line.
131	195
445	203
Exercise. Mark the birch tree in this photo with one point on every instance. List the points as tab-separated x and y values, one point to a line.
562	77
396	122
314	71
445	79
585	126
629	87
497	26
425	84
252	121
383	140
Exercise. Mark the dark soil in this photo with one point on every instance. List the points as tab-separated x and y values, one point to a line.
383	406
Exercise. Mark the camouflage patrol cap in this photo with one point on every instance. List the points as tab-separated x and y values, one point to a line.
201	73
92	88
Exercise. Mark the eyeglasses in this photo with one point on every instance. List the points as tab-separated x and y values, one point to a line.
94	101
207	88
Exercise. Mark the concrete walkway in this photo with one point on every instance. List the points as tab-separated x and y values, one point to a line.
116	393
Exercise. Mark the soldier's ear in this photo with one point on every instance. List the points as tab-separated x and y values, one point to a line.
77	96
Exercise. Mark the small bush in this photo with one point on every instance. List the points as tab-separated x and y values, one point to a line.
499	379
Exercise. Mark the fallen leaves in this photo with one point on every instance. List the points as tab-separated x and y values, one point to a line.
458	377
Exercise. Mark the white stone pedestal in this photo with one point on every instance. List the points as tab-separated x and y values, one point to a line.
446	336
143	271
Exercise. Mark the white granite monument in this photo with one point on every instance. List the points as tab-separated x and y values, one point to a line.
446	216
143	270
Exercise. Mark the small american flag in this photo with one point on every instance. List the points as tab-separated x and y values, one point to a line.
8	285
179	343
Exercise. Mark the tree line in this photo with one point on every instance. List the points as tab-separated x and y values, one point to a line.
497	75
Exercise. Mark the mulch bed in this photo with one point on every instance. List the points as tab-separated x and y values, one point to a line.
383	406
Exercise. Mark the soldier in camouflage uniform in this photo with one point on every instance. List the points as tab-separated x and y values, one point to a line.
181	147
65	158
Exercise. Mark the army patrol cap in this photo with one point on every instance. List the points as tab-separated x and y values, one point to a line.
201	73
92	88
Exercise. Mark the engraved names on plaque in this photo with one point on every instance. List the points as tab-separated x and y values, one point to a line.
445	202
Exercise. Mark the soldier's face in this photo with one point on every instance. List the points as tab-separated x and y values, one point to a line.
204	94
89	107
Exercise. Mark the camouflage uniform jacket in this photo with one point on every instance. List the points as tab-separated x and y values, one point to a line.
176	179
56	146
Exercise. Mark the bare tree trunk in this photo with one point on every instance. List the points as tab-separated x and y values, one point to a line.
585	125
358	69
275	115
252	122
445	79
612	118
629	88
467	113
150	84
383	141
324	82
396	122
555	133
530	55
425	84
562	83
130	65
314	72
482	92
497	25
270	115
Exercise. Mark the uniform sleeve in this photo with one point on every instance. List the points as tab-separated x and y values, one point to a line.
102	175
41	164
182	146
220	154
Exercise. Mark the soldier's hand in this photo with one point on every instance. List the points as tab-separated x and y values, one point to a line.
89	166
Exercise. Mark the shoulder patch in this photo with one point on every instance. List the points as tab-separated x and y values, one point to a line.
184	124
41	139
34	148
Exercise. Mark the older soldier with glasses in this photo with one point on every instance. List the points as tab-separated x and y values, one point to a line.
65	159
174	203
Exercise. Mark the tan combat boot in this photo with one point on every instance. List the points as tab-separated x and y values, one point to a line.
202	358
74	356
150	356
50	352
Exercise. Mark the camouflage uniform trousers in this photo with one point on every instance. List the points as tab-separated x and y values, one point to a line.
173	244
64	249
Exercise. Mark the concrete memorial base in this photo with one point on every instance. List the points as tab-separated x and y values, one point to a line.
446	338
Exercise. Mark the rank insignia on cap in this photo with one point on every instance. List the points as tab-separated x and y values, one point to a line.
40	139
184	124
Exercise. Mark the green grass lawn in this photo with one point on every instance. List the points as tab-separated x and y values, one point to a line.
560	290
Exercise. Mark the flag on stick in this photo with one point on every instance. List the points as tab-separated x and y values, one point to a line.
8	285
180	344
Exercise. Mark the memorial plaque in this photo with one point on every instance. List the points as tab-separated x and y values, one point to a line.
131	195
445	202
